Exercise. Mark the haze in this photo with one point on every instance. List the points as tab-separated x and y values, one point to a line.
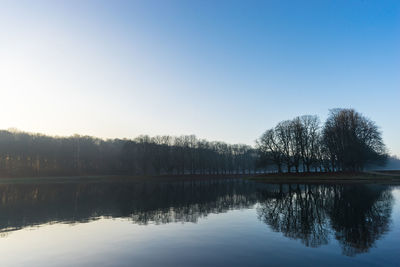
223	70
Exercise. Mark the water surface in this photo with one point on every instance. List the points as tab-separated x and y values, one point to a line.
198	223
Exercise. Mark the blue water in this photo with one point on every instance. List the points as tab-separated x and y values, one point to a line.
198	223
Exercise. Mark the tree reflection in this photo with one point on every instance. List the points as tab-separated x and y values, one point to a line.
357	215
360	215
142	202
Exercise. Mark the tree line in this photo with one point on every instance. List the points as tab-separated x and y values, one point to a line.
26	154
348	141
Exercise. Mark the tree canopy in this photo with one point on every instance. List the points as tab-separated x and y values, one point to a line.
347	141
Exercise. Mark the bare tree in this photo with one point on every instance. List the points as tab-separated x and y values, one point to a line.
269	147
284	133
309	140
348	141
352	139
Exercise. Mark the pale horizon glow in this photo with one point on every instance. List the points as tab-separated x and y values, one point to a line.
222	70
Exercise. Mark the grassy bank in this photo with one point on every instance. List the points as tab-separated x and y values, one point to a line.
334	177
389	177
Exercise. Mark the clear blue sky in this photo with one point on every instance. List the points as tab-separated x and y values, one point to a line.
223	70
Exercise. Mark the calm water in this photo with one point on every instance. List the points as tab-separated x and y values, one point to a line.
198	223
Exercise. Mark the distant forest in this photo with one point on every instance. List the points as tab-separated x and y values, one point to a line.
346	142
25	154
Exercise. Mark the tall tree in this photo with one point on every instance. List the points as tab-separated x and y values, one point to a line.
352	139
269	148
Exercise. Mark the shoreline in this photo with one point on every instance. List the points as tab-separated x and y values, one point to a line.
387	177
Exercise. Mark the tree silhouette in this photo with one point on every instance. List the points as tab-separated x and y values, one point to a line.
347	142
24	154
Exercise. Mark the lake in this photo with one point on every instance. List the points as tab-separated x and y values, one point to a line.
199	222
